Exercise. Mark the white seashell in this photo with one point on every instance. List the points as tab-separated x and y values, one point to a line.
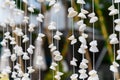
26	77
85	35
117	21
72	12
17	66
91	15
73	63
74	76
81	15
7	35
93	43
83	65
115	64
12	42
59	33
56	53
41	35
71	37
80	22
58	57
112	36
93	19
40	17
84	11
118	51
118	57
51	45
114	41
53	48
53	68
52	26
73	41
83	76
4	42
113	12
93	77
81	1
94	49
30	51
113	69
20	73
112	7
25	1
59	73
82	51
82	40
92	72
54	64
13	57
14	74
82	71
84	46
25	56
117	1
52	2
32	47
85	61
82	27
18	31
117	28
74	59
3	24
17	79
31	27
57	77
57	37
25	20
31	9
25	39
30	70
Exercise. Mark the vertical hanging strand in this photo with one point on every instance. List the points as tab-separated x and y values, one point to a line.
31	36
72	23
82	6
57	41
25	65
93	35
113	32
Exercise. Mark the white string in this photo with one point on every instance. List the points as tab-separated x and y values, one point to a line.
93	35
25	34
119	18
72	23
83	55
57	41
113	32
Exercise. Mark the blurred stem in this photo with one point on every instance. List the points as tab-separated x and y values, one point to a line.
105	33
104	30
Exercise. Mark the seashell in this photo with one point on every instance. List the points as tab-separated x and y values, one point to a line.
72	12
81	1
93	19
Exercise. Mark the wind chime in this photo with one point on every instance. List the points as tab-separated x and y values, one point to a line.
113	36
19	35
